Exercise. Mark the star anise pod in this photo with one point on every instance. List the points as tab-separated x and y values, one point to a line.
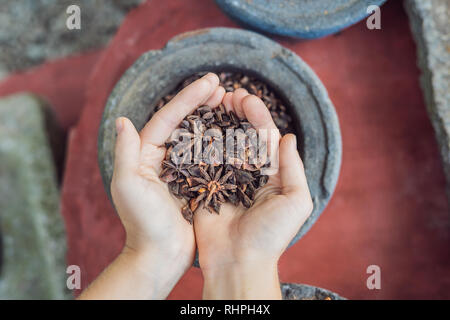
213	188
172	172
216	174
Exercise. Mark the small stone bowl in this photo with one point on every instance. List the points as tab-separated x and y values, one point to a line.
158	72
300	18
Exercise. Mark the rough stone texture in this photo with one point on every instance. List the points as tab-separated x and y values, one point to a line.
32	31
157	73
389	207
301	19
294	291
32	231
430	24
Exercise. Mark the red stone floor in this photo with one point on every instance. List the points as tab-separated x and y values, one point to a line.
389	207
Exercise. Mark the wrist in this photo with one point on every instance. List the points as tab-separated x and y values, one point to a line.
243	280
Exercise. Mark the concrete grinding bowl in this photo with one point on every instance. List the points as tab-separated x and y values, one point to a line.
158	72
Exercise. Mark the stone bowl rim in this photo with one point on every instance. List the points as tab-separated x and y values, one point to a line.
177	42
248	15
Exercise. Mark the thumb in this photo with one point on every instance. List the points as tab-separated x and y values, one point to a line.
292	173
127	146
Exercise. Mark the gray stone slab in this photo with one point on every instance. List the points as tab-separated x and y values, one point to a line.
31	227
430	25
294	291
32	31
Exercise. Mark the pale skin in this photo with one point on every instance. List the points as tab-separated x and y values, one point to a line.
238	249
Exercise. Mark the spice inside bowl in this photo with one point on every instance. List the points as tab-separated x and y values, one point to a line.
220	175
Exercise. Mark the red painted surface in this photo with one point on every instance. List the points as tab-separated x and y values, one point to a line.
62	83
389	207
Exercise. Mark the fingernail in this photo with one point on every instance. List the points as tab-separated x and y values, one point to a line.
211	82
295	141
119	125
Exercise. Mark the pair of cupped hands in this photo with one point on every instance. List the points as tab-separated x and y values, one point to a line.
238	249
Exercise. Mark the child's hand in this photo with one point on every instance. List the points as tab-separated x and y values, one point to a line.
239	249
150	214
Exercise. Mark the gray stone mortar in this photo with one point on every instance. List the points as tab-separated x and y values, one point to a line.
158	72
306	19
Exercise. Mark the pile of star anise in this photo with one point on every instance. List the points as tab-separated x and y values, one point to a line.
235	80
217	176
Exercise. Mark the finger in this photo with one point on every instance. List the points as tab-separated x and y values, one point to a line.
292	173
259	116
257	113
238	96
216	98
166	120
127	148
228	102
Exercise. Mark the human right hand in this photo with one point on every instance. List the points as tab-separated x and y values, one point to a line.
239	248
